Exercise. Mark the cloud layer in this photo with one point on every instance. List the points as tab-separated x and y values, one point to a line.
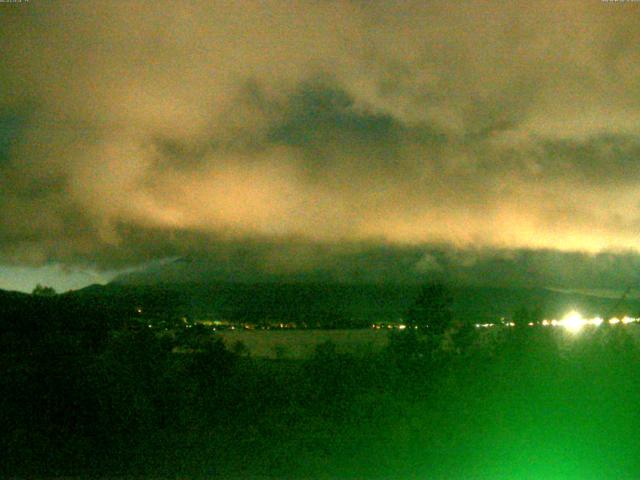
127	130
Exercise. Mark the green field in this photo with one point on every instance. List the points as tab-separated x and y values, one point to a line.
521	403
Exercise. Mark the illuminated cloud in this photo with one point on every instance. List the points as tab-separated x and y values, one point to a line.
127	131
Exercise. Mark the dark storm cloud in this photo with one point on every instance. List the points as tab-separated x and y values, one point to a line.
293	261
11	123
159	129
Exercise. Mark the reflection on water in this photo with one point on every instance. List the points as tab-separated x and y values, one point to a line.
302	343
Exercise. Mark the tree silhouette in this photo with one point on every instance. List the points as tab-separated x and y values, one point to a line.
43	291
525	315
432	311
522	316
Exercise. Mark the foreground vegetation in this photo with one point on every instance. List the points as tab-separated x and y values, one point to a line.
523	403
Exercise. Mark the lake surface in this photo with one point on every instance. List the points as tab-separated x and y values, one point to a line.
296	344
302	343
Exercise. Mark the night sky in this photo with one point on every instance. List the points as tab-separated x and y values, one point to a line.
494	141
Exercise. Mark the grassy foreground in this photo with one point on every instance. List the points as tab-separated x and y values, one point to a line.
531	403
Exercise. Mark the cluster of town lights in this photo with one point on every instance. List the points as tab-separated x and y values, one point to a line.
572	322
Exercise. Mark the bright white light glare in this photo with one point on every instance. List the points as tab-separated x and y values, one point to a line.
597	321
573	322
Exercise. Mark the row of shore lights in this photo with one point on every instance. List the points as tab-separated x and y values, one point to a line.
573	322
